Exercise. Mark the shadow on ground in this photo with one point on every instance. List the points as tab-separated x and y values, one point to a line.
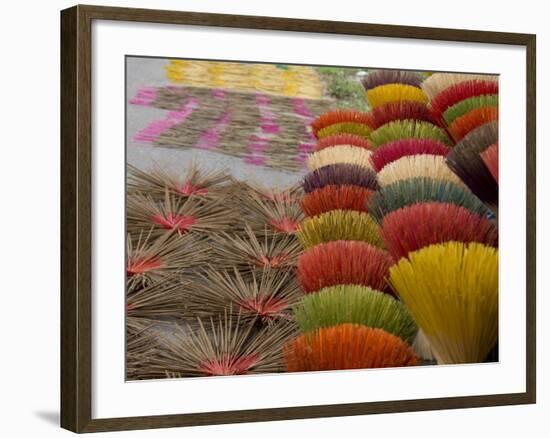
51	417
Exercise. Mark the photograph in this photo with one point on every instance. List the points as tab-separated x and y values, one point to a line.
274	219
285	218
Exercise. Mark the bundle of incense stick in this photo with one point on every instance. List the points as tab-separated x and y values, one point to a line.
290	81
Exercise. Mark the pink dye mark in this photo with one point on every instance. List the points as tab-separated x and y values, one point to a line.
258	147
145	96
301	108
228	365
268	122
218	93
171	222
306	147
258	144
142	265
267	113
262	100
301	157
152	131
156	128
285	224
210	139
270	128
189	189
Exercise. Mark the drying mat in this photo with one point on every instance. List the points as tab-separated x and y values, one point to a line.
272	79
271	131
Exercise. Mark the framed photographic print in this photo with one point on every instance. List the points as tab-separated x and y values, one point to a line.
343	224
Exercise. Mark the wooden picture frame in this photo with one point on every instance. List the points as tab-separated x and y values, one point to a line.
76	195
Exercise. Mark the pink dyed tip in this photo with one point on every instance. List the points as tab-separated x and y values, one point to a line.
229	366
270	128
264	308
142	265
174	222
285	225
189	189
